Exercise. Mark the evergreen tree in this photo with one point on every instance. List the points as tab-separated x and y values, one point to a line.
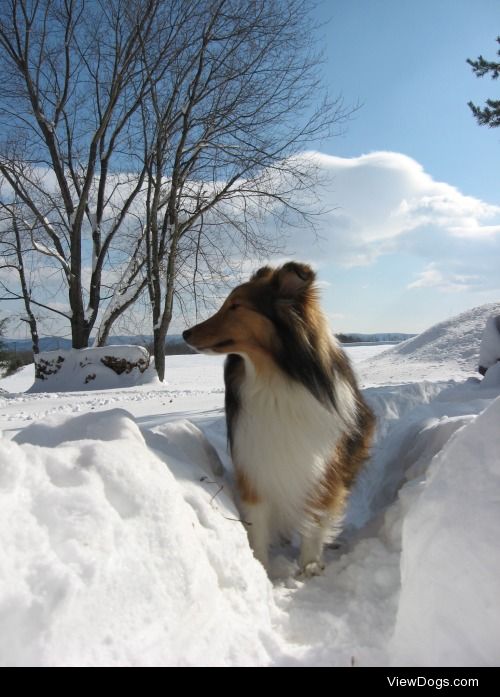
489	115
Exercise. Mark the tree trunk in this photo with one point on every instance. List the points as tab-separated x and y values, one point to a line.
159	337
25	290
80	331
34	333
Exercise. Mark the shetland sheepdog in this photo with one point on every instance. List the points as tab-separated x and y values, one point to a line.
298	428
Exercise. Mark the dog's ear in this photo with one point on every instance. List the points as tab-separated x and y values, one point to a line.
293	279
264	272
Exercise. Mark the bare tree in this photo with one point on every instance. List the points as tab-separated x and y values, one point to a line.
222	125
149	144
72	83
15	249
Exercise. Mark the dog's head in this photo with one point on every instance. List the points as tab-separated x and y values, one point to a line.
254	316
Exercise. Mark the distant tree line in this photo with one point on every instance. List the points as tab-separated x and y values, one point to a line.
346	338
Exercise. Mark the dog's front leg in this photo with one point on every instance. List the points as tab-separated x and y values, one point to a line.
257	523
311	551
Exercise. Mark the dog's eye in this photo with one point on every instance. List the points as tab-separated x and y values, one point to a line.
234	306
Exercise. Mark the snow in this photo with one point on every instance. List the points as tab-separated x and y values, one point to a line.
120	543
454	520
20	381
50	251
100	368
489	351
118	563
448	350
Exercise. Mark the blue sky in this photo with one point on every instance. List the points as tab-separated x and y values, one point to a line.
405	62
412	187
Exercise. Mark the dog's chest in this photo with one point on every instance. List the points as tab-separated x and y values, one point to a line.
283	437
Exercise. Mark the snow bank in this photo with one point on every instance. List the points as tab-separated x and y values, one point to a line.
101	368
447	350
450	588
489	351
108	559
20	381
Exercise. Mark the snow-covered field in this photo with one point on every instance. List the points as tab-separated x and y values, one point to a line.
120	542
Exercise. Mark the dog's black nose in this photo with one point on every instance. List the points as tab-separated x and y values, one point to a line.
186	334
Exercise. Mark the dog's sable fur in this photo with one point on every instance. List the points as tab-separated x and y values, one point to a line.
298	427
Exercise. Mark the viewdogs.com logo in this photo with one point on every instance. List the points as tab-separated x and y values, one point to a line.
437	683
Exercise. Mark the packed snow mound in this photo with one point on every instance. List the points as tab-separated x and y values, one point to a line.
101	368
450	568
109	559
448	350
492	376
53	431
489	351
20	381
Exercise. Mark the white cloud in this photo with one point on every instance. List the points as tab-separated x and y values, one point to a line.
475	231
433	277
385	203
381	197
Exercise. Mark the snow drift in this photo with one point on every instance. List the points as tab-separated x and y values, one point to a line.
450	568
446	350
108	559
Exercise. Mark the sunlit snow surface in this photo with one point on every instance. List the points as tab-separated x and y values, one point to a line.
120	542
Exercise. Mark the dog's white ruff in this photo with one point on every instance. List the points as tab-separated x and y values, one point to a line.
283	440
